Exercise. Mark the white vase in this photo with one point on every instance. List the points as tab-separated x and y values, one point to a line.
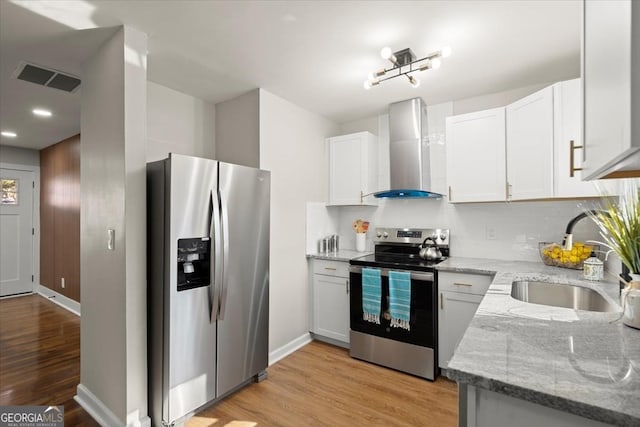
630	298
361	240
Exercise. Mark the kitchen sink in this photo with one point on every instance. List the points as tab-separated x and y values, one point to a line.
560	295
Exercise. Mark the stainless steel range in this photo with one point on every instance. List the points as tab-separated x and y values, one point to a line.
393	300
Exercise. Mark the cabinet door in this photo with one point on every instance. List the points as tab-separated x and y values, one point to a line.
530	146
476	156
567	117
454	315
353	170
331	307
610	121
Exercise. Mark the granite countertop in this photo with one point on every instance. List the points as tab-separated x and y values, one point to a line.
341	255
581	362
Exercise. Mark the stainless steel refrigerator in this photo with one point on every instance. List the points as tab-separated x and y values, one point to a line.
208	282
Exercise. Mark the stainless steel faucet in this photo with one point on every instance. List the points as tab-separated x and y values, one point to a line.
567	242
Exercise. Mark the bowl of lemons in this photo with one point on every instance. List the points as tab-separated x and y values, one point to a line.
553	254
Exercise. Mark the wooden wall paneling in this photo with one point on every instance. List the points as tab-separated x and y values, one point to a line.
74	202
63	197
60	198
46	218
61	220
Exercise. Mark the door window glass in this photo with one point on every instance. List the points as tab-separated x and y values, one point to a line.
9	191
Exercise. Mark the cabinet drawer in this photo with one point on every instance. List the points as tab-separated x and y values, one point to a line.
464	282
331	268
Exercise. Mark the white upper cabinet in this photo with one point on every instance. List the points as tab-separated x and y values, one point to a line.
353	168
611	73
541	136
568	142
530	146
476	156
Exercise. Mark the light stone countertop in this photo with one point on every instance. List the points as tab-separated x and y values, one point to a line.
342	255
581	362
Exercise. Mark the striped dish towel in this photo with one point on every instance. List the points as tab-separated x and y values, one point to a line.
400	299
371	295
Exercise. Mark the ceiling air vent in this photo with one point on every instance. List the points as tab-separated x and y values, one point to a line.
46	77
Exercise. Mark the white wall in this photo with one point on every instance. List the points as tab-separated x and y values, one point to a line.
292	148
19	156
113	364
495	100
178	123
238	130
368	124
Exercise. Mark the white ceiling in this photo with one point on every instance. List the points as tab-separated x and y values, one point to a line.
315	54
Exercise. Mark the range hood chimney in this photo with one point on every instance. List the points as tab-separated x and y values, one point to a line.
409	153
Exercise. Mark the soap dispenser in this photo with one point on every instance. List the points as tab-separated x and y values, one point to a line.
593	268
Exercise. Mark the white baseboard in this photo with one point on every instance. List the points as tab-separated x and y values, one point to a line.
289	348
102	414
61	300
96	408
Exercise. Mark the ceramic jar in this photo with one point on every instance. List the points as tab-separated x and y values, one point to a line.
630	298
593	268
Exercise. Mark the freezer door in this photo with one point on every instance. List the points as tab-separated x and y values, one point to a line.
190	332
243	315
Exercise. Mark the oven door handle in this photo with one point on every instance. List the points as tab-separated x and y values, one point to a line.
421	276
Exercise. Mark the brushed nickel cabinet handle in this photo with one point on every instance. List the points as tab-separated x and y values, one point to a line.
463	284
572	148
449	193
441	301
330	268
347	286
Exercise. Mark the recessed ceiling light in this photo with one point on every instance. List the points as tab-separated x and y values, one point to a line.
9	134
41	112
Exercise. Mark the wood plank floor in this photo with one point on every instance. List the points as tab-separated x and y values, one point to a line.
319	385
40	356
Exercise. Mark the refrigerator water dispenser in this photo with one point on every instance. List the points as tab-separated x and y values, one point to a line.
194	263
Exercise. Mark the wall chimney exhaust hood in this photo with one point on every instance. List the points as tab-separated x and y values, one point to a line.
409	152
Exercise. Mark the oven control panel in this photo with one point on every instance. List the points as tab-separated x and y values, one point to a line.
412	235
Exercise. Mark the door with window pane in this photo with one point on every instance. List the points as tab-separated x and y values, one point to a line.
16	232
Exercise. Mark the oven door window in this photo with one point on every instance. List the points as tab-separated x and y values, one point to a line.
423	315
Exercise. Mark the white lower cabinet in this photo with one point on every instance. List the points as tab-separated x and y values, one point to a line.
330	313
455	314
459	296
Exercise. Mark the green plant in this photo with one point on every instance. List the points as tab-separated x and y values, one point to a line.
619	224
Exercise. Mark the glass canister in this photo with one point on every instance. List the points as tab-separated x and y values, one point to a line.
593	268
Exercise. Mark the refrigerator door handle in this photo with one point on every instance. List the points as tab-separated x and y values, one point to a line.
225	258
216	265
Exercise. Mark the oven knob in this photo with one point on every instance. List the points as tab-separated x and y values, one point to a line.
443	237
434	236
378	234
385	234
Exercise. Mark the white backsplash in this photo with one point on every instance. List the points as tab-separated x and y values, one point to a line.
508	231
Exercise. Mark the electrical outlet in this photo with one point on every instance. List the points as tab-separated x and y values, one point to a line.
62	282
491	233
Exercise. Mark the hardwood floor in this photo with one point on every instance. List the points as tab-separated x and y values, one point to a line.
40	356
319	385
